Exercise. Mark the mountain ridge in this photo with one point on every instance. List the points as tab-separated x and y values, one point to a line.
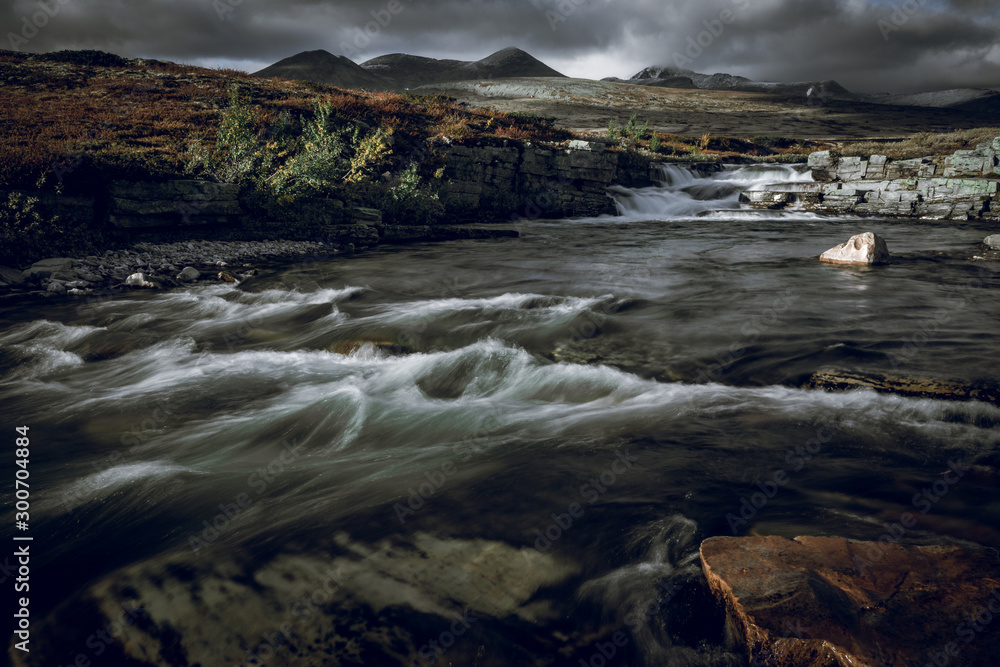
672	77
320	66
401	71
405	71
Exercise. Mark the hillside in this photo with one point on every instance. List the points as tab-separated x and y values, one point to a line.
323	67
402	71
78	115
977	100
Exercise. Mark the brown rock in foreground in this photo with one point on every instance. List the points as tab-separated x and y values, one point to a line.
824	602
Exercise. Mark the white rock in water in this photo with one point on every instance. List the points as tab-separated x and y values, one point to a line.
138	280
993	242
867	248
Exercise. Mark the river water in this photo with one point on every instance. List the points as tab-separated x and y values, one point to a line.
531	434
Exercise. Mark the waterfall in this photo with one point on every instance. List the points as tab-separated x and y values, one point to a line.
684	192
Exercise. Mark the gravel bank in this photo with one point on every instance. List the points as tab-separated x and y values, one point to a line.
153	266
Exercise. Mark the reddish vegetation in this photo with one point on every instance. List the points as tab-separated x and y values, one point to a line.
139	117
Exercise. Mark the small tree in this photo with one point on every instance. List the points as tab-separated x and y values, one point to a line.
237	146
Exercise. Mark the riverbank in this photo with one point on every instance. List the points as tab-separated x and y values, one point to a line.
146	265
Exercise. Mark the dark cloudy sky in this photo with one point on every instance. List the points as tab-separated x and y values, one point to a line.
927	44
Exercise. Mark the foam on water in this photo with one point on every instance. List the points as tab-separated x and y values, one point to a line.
335	402
105	482
40	348
686	193
520	304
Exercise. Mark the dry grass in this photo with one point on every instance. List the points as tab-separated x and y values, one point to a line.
732	148
924	144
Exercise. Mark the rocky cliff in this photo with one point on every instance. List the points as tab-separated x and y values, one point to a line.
961	186
481	182
528	181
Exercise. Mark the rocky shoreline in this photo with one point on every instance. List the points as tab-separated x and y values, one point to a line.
146	265
160	265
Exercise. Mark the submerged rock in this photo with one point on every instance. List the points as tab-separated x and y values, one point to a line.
867	248
371	604
47	267
833	602
843	380
188	274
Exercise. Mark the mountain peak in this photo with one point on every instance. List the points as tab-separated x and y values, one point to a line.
406	71
320	66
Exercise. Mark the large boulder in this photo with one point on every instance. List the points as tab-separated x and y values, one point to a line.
188	274
46	267
867	248
833	602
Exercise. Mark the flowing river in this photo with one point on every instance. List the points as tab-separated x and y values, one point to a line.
501	452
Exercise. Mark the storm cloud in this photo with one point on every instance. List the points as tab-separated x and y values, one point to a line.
867	45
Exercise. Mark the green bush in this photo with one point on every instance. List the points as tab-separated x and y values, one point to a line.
404	200
629	134
320	161
281	167
28	234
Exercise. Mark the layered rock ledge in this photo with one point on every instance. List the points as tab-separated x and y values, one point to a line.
833	602
531	181
961	186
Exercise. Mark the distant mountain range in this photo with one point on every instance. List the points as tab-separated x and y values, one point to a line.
968	99
400	71
670	77
404	71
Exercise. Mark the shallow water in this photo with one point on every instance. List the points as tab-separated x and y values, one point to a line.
605	393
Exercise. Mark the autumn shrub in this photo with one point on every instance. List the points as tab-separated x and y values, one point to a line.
456	127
